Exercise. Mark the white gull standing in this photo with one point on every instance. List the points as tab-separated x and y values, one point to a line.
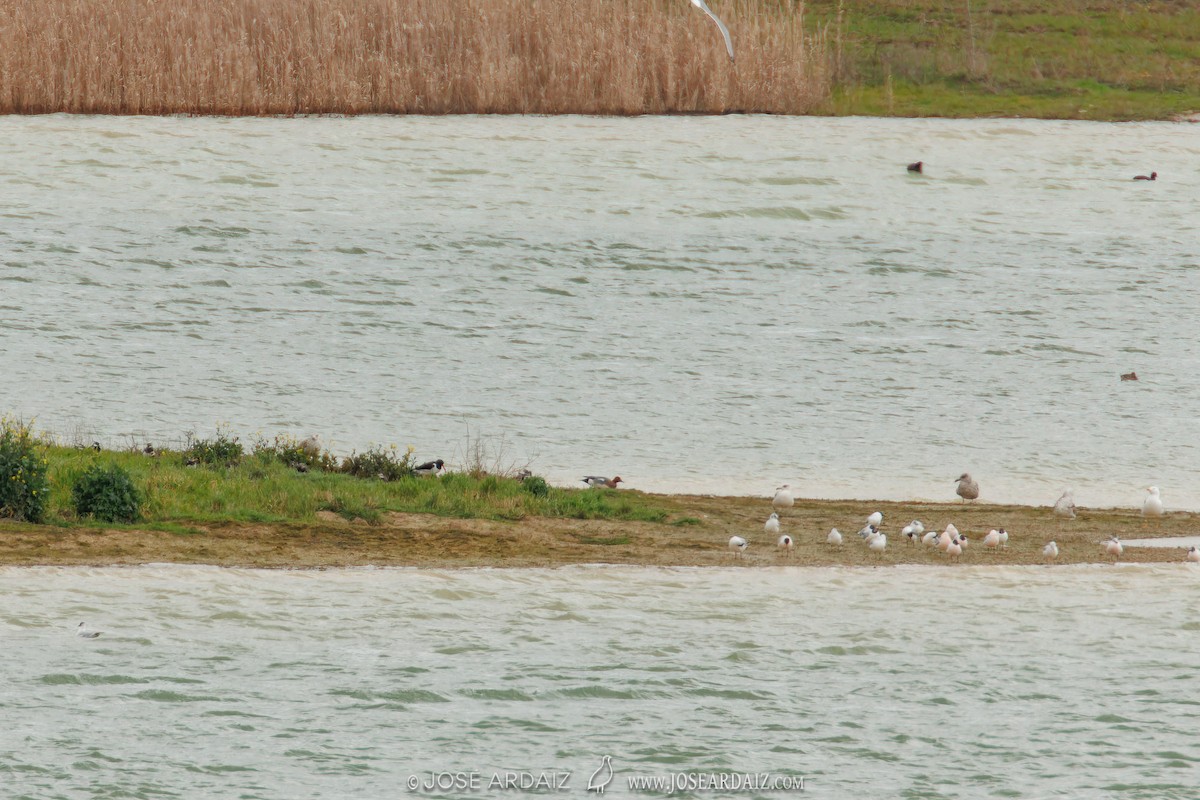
1050	551
772	523
1193	555
783	498
1152	506
786	544
1065	506
738	545
834	538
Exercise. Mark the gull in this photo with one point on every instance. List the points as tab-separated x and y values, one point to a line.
967	489
946	539
955	548
1113	547
312	445
783	498
1065	507
1152	506
772	523
596	480
1004	538
1193	554
962	541
1050	551
878	542
738	545
913	529
700	4
83	632
786	544
992	540
834	538
930	537
875	519
867	532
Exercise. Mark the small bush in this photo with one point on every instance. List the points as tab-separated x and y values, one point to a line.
536	486
106	493
220	451
385	464
23	482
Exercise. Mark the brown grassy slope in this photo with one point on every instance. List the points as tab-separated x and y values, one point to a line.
267	57
431	541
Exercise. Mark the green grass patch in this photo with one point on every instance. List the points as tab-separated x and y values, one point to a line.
267	490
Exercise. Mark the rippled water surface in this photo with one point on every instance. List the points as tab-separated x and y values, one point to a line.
714	304
918	683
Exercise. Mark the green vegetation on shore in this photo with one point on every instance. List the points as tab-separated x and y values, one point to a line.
1067	59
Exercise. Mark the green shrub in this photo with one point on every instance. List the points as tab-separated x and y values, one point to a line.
536	486
23	483
220	451
106	493
385	464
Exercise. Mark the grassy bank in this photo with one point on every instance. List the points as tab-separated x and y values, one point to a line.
1070	59
265	513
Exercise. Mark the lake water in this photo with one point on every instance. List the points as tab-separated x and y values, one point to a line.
696	304
902	682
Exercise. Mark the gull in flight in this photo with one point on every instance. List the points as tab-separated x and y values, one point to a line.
700	4
83	632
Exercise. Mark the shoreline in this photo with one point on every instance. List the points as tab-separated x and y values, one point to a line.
695	534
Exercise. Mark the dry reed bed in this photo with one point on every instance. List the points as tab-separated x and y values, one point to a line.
281	57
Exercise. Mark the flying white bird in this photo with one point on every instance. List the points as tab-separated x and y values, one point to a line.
1050	551
1113	547
783	498
737	544
786	544
1152	506
83	632
772	523
700	4
1193	554
1065	507
834	537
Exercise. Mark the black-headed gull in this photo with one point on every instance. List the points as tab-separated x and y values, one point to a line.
772	523
1152	506
967	489
1113	547
876	519
1050	551
867	532
1193	555
786	544
878	543
1065	506
83	632
834	538
954	549
992	540
700	4
738	545
913	530
597	480
783	498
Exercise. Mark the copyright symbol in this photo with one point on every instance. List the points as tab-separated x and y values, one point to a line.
413	783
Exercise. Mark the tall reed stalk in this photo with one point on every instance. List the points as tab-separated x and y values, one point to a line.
270	57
